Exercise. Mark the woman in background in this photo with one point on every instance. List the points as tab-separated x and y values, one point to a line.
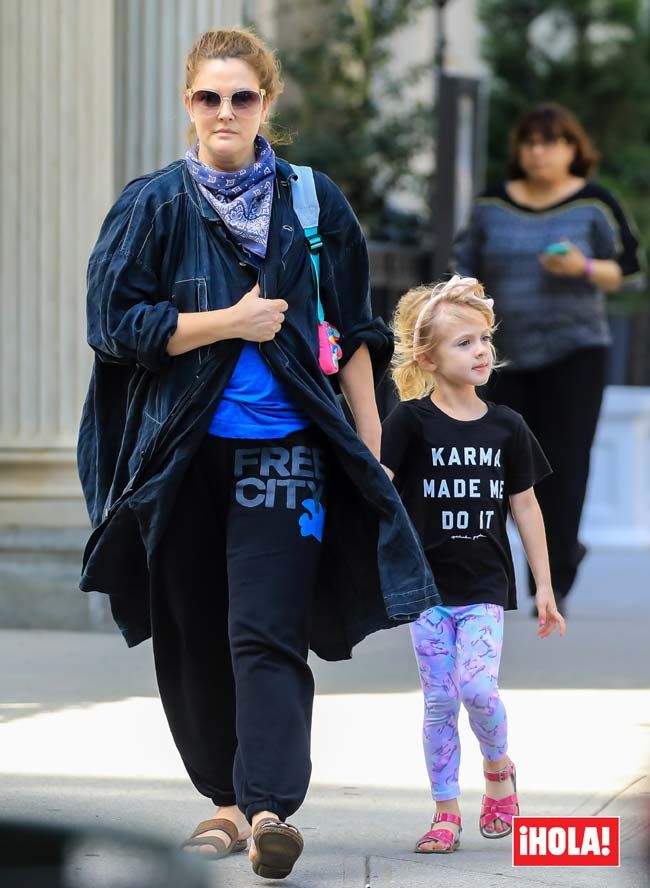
550	245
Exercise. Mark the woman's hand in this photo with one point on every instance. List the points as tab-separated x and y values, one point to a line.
256	319
252	318
603	273
571	264
549	616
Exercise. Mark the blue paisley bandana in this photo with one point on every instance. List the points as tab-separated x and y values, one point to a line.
242	199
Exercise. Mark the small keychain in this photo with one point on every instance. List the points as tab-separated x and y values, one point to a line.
329	350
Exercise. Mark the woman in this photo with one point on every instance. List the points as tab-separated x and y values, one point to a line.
550	245
212	446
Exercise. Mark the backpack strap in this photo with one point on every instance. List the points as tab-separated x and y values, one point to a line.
307	209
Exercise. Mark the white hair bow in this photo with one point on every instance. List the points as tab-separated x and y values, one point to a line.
455	281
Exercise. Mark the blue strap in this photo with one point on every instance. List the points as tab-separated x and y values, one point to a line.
307	209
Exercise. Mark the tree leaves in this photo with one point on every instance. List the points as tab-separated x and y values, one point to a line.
356	117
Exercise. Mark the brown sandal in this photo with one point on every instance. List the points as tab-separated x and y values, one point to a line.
278	846
220	848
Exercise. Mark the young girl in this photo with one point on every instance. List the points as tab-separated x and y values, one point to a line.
458	464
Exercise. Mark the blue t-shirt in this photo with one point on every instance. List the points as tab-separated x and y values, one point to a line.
255	404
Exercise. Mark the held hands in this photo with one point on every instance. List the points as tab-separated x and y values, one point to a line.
256	319
570	264
549	616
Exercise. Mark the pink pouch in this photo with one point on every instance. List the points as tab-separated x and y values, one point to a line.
329	351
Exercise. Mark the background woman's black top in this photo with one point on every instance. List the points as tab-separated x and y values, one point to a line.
544	317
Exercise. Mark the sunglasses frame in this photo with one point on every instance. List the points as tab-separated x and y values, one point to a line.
259	92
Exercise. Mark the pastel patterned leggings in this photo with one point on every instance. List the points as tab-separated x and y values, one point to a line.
458	650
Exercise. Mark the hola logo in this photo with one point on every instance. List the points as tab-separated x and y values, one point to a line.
566	841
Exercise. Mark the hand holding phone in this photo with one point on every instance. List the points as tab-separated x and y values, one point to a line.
561	248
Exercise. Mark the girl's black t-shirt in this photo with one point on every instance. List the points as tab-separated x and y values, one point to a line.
455	478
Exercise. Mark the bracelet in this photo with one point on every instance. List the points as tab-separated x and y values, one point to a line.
588	268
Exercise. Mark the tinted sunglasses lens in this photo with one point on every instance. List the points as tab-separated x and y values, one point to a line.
246	102
205	101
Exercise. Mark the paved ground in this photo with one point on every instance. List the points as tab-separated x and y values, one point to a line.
83	740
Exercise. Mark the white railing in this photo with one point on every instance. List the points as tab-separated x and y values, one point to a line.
617	508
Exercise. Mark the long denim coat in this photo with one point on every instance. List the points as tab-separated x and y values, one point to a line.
163	250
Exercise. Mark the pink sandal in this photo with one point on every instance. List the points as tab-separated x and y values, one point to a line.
499	809
443	836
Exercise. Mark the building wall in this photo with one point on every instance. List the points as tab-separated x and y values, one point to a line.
56	157
151	40
98	103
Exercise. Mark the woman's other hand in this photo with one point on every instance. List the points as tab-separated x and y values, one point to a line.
570	264
256	319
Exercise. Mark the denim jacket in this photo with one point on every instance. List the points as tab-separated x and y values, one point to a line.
163	250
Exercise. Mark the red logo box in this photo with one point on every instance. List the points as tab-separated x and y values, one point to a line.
566	841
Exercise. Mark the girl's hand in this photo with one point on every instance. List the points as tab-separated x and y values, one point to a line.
256	319
549	616
571	264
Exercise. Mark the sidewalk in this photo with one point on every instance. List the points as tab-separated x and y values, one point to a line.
83	740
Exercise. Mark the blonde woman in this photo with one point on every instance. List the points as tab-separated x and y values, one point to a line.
458	463
238	518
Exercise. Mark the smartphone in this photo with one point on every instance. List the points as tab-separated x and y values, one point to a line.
559	249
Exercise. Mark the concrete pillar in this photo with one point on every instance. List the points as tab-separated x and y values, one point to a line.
56	80
152	38
91	97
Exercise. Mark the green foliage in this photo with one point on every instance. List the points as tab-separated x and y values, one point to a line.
351	116
592	56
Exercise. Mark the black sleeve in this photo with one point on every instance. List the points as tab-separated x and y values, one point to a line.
628	250
396	435
129	319
527	464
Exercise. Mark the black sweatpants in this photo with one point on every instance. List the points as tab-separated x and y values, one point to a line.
231	598
560	402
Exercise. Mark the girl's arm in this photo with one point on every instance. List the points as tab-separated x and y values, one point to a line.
358	387
530	524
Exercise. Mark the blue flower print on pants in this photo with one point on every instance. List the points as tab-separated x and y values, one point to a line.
312	521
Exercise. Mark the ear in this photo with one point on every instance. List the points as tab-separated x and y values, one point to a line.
426	363
266	110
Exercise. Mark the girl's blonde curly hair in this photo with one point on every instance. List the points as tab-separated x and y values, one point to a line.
427	304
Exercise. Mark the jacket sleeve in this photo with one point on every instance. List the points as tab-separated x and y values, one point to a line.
616	237
129	318
345	279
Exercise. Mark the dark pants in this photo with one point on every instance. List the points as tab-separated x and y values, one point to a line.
560	403
231	593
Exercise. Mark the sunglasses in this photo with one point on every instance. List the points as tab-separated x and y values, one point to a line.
244	102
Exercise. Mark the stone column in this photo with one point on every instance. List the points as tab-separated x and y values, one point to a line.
152	38
91	97
56	80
